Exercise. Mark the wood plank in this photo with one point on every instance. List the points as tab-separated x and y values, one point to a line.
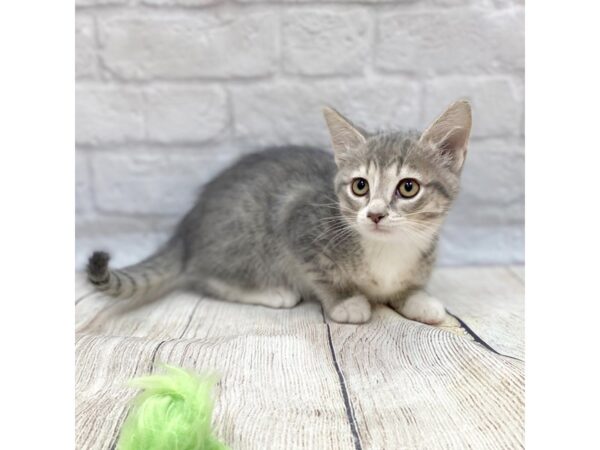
112	351
164	319
519	271
409	385
490	300
414	386
103	366
278	388
83	288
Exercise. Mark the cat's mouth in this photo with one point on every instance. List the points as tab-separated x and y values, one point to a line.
378	229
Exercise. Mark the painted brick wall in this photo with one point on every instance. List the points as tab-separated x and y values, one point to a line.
171	91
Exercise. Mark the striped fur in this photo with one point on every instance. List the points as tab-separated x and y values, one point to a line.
149	279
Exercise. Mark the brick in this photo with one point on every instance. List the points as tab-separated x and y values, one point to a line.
86	60
83	193
108	114
330	1
290	112
100	2
127	239
444	49
124	248
454	3
497	103
492	186
180	2
204	45
152	181
451	41
180	114
325	42
514	144
482	245
508	3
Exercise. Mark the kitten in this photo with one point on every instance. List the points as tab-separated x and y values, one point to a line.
350	229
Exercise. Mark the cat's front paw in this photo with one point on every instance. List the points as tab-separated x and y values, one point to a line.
281	298
355	309
423	308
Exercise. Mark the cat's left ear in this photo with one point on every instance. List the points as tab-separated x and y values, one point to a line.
450	132
344	135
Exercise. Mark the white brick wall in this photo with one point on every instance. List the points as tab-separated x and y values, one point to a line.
171	91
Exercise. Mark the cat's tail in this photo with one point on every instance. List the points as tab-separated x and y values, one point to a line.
146	281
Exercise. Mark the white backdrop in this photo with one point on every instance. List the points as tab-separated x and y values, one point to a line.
170	91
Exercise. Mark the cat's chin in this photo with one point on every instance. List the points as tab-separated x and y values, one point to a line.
378	234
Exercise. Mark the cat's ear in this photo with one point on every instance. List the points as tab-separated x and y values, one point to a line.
344	135
450	132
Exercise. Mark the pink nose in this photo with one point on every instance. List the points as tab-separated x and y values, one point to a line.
376	217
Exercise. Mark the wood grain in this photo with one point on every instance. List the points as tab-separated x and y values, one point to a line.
415	386
289	380
489	300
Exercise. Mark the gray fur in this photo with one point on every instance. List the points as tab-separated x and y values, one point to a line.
282	224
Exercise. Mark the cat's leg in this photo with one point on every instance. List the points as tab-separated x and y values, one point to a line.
343	308
420	306
280	297
355	309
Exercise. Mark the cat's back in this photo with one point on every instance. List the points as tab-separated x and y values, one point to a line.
252	190
285	165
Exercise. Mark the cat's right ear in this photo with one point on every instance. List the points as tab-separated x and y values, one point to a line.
344	135
450	132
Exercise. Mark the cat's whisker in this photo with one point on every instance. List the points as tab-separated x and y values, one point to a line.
336	216
424	223
440	212
339	238
420	227
337	207
333	229
425	236
330	230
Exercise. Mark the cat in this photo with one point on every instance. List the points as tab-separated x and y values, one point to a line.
349	229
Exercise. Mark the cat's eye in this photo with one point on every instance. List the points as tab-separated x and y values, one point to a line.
360	186
408	188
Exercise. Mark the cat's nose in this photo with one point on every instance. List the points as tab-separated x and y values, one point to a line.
376	216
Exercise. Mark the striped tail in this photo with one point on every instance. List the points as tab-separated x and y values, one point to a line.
146	281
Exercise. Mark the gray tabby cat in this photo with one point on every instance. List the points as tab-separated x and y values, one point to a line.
352	229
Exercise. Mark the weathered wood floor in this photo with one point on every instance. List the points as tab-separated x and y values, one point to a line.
292	380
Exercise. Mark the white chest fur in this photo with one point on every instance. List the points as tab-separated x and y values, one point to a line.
387	268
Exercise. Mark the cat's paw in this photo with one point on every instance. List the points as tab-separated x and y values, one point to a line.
423	308
281	298
355	309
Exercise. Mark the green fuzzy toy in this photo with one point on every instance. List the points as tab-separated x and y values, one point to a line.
172	413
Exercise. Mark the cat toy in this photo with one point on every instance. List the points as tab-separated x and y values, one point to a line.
173	412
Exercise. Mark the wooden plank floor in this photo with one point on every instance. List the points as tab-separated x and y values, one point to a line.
291	379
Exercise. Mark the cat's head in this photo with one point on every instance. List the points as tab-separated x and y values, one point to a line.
398	184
